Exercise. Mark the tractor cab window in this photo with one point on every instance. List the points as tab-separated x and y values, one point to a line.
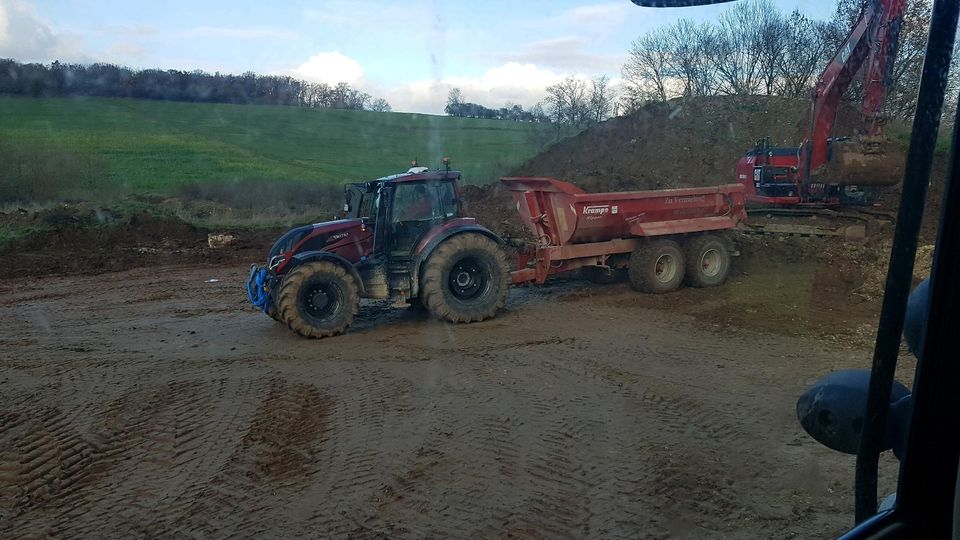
447	197
415	202
417	206
368	205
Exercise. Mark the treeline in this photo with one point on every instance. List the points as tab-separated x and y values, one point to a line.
456	106
108	80
754	48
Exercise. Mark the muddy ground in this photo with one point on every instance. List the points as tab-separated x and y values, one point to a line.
154	402
143	397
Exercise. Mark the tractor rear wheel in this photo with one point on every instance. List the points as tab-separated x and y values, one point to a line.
318	299
708	261
466	279
656	267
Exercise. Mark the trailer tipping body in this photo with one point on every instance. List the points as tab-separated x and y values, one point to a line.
574	228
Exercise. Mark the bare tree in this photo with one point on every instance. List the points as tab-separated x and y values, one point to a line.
691	58
771	43
648	67
807	46
737	47
568	103
601	99
380	105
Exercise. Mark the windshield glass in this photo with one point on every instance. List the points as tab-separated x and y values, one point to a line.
612	253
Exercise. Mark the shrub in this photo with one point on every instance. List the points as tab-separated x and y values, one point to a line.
40	171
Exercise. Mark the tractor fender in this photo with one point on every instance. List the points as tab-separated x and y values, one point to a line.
424	253
311	256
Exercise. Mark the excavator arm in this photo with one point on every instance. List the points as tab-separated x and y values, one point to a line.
873	41
878	76
870	46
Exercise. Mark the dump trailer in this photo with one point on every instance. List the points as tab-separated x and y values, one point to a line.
662	238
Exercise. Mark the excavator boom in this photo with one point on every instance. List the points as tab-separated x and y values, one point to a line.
873	41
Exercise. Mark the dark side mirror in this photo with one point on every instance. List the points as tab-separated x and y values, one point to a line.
832	411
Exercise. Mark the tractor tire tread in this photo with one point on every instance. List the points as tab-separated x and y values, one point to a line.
433	281
288	299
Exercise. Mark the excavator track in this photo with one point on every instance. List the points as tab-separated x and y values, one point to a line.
849	223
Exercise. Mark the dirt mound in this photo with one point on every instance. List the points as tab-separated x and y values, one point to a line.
682	143
84	241
494	208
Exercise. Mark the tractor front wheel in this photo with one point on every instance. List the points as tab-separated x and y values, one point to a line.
466	279
318	299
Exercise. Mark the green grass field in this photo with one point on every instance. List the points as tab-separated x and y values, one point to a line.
153	147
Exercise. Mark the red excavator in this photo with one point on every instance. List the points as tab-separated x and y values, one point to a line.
828	170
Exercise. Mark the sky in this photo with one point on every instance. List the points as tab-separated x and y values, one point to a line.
410	53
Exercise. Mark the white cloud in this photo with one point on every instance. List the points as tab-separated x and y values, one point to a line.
330	68
591	20
568	54
524	84
26	37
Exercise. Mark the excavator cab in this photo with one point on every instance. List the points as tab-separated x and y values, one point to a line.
769	173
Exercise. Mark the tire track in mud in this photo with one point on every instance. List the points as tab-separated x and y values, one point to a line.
370	404
269	467
141	444
43	462
533	424
615	497
140	451
440	485
557	503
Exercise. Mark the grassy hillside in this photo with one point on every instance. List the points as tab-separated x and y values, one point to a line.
150	146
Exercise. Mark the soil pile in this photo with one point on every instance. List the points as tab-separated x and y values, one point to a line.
493	207
683	143
92	241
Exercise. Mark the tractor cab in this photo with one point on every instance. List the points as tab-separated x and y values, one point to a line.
403	208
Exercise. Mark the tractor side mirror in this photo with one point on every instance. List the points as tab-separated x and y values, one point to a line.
832	411
346	207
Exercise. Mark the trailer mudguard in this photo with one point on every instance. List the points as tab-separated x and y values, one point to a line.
310	256
429	244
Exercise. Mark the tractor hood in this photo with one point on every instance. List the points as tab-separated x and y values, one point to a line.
313	237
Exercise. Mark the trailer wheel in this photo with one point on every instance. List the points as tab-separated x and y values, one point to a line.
466	279
318	299
708	261
656	267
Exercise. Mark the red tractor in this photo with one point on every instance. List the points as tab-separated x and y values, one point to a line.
403	237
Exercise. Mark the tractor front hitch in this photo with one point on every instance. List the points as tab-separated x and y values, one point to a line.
259	282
